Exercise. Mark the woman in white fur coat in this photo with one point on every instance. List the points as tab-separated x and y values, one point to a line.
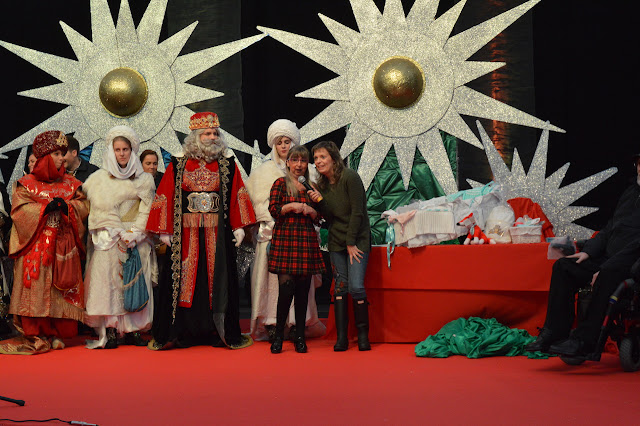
281	136
121	195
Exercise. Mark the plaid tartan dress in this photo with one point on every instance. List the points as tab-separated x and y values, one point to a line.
294	245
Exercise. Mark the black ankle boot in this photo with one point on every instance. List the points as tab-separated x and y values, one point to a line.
542	343
112	338
276	346
271	332
361	315
340	308
300	345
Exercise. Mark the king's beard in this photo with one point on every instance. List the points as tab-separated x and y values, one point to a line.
200	151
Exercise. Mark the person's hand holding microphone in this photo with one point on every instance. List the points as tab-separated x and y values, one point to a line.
313	193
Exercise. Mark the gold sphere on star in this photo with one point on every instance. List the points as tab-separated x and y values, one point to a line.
123	92
398	82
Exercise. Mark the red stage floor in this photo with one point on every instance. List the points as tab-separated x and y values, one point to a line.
388	385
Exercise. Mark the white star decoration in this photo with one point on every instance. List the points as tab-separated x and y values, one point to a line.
554	201
123	45
443	59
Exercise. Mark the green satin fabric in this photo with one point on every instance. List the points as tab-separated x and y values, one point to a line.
387	189
477	338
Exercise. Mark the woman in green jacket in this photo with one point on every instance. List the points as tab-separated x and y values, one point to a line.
342	202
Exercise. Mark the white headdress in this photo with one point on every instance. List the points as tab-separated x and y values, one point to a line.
282	127
109	161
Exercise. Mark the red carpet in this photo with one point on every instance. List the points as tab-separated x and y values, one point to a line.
389	385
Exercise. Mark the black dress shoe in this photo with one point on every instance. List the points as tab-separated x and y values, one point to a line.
542	343
300	345
112	338
135	339
571	347
276	346
271	332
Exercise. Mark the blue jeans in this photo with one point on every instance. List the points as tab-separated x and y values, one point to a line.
349	278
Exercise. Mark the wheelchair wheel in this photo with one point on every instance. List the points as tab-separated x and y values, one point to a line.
572	361
630	353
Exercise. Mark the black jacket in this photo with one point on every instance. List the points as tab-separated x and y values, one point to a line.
622	232
84	170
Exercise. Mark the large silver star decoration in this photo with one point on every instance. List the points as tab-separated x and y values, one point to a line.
423	40
554	201
118	45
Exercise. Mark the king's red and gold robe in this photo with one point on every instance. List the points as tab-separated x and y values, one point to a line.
192	201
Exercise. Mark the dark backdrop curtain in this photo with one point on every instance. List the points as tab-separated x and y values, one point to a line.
584	74
219	23
512	84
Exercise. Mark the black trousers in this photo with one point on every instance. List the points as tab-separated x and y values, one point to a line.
568	277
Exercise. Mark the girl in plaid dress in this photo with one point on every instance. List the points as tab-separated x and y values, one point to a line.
295	253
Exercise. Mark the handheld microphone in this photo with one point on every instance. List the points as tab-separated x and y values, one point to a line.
304	182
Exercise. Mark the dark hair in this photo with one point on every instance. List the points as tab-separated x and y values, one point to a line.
297	151
338	162
26	160
148	152
74	145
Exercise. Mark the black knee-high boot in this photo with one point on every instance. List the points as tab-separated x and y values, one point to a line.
361	315
342	322
300	307
285	295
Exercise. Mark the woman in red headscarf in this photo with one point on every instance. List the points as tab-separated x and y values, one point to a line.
48	209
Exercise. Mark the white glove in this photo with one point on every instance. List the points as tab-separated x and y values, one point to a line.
166	239
239	236
131	238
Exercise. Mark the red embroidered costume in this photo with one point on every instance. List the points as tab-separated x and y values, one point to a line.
48	294
198	176
199	204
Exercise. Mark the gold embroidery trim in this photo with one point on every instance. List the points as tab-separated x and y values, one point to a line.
190	269
244	203
201	179
199	220
176	243
210	243
160	203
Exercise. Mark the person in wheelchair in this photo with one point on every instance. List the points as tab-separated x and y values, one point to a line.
603	263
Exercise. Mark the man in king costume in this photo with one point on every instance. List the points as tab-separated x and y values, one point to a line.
48	210
200	208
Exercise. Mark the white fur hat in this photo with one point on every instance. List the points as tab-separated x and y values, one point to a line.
283	127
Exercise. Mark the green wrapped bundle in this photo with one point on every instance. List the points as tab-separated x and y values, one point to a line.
477	338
